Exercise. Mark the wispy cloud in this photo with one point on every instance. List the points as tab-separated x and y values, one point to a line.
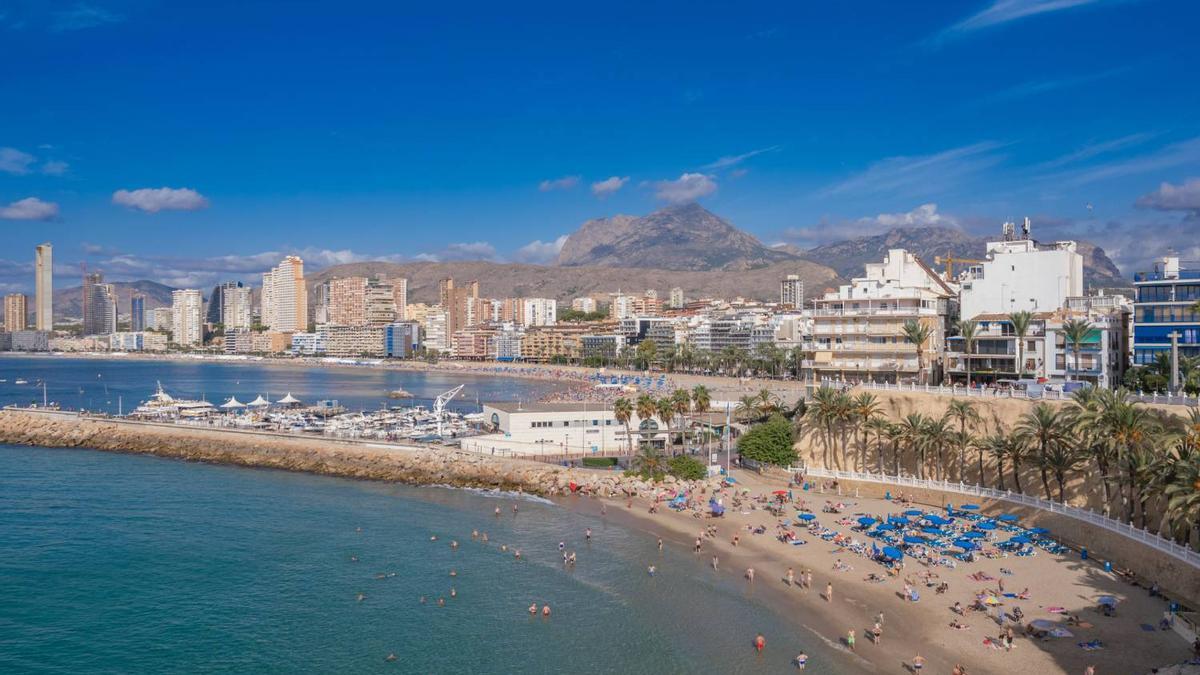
687	188
1182	154
921	174
30	208
540	252
925	215
608	186
1005	11
1036	87
1097	149
82	15
564	183
472	250
55	167
15	162
734	160
153	200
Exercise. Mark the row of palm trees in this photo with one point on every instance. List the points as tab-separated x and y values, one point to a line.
679	403
1075	332
764	360
1146	459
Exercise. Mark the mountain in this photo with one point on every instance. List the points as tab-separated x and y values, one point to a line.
509	280
848	257
687	237
68	302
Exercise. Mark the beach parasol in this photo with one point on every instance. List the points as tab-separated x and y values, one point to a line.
897	520
807	516
1020	539
991	600
932	530
914	539
970	507
1008	518
965	544
1108	600
937	520
885	528
986	525
866	521
233	403
288	400
893	552
259	402
780	492
1039	530
912	512
974	535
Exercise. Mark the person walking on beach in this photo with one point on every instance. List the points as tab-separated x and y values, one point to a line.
714	562
850	640
791	577
760	642
660	545
750	574
879	618
877	633
918	663
801	660
808	579
588	534
829	592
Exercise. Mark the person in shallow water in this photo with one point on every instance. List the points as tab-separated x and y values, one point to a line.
801	660
533	609
759	642
546	610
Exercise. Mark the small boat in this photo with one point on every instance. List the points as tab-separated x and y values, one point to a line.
21	380
399	393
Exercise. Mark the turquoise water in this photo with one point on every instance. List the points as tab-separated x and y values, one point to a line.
117	563
108	385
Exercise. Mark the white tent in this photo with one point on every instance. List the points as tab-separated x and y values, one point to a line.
233	403
288	400
259	402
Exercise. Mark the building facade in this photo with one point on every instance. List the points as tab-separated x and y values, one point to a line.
1164	309
791	291
1020	275
99	306
285	296
137	313
187	326
16	312
44	287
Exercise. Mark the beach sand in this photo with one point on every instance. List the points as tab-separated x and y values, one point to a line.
912	627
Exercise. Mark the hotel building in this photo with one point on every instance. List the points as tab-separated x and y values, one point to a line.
285	297
1165	307
16	312
187	327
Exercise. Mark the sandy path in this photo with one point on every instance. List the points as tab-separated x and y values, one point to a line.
924	626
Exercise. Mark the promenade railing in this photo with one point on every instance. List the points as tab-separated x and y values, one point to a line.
992	393
1142	536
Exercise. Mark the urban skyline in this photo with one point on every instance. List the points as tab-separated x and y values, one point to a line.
811	126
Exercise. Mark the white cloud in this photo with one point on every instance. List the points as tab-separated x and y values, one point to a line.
83	15
921	174
734	160
473	250
1096	149
14	161
153	200
925	215
687	188
1168	197
1004	11
540	252
30	208
608	186
55	167
564	183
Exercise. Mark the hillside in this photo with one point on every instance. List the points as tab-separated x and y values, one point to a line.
848	257
505	280
68	302
684	237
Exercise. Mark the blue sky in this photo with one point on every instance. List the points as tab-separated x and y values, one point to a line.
191	141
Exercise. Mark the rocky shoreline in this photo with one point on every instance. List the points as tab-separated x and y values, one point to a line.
418	465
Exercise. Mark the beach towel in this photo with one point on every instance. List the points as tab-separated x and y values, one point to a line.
1056	610
1061	633
1010	595
799	542
1148	628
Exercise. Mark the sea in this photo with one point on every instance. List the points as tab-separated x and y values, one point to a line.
114	563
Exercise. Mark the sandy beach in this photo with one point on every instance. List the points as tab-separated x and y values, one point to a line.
920	627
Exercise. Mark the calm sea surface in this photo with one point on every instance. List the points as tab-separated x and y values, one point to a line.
128	564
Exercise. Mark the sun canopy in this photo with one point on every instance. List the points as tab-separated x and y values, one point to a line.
233	403
866	521
897	520
885	528
807	516
1039	530
965	544
937	520
912	512
986	525
1020	539
259	402
970	507
893	552
932	530
1008	518
914	539
1108	600
288	400
974	535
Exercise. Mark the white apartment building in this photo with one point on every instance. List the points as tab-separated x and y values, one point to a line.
43	303
620	306
187	327
160	318
436	338
539	312
285	296
857	331
308	343
1020	275
677	300
791	291
587	305
235	306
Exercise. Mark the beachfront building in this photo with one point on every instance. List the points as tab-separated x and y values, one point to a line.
285	296
559	428
507	342
350	341
137	341
858	330
187	328
791	291
99	305
30	340
15	312
560	343
1164	310
400	339
137	312
437	340
475	343
230	306
43	303
620	306
585	305
601	347
308	344
538	312
677	300
1018	274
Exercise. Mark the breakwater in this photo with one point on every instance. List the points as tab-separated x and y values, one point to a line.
413	464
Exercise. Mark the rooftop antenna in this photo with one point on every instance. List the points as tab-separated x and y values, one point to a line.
1008	229
1026	228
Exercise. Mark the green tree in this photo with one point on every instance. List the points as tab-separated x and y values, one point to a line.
963	413
686	467
646	351
966	330
623	412
917	333
681	405
646	410
1020	323
666	412
911	428
649	463
865	408
1075	332
769	442
1045	430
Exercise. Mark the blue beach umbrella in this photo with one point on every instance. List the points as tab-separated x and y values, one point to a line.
897	520
974	535
912	512
866	521
806	516
937	520
932	530
965	544
914	539
986	525
893	552
1008	518
1020	539
1039	530
885	528
970	507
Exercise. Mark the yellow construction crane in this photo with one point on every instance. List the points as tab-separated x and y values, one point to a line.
949	260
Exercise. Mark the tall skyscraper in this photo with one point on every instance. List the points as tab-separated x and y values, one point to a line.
215	303
44	293
15	312
99	306
459	303
285	297
400	297
187	328
235	305
347	299
791	291
137	312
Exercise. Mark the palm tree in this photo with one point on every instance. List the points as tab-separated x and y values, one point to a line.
1131	429
895	434
1059	459
866	407
1016	449
1020	323
1075	332
747	408
681	404
622	412
701	401
997	446
666	413
880	426
964	413
966	330
936	435
1182	490
649	461
768	402
830	410
917	333
911	428
646	410
1043	428
1086	417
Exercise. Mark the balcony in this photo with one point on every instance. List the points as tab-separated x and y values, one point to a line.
876	311
1159	276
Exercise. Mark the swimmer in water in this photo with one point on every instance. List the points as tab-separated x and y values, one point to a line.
504	548
453	544
453	573
514	509
361	597
441	602
533	609
433	538
588	534
474	534
801	660
546	610
517	554
390	657
652	569
603	509
759	642
453	593
750	574
353	558
660	543
484	538
561	546
497	510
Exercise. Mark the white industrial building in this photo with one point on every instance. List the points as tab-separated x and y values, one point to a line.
558	428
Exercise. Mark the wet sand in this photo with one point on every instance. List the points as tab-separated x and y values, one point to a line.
912	627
